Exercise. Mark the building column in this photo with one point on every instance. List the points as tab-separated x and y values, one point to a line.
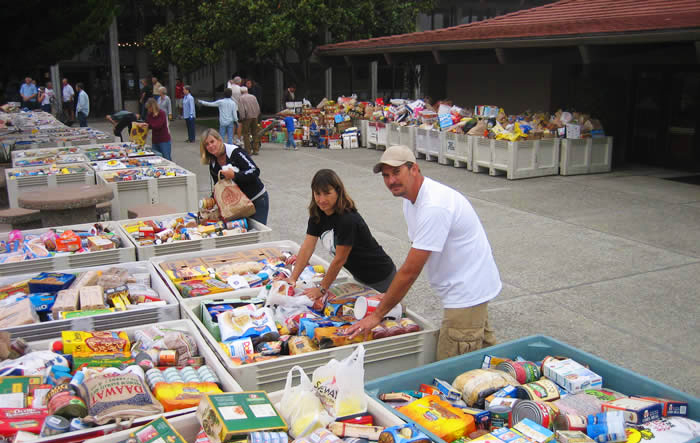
279	89
57	87
373	75
418	75
114	65
329	83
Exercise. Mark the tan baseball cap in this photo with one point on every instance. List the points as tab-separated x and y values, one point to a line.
395	155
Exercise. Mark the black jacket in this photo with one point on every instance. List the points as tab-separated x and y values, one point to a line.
247	172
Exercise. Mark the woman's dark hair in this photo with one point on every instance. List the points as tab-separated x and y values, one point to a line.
324	180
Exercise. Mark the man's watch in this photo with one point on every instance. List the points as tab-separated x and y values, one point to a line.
322	289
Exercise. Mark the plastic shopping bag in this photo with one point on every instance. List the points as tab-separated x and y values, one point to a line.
300	407
340	384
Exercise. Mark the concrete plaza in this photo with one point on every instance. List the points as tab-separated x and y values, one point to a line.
609	263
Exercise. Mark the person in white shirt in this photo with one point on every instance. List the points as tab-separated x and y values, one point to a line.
235	86
447	239
82	109
68	104
46	94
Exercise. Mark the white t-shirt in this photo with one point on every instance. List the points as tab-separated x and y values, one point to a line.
68	93
461	268
48	94
235	93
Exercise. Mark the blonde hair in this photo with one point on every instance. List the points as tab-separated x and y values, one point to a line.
205	156
152	106
163	90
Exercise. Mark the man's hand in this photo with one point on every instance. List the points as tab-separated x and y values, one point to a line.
363	326
313	293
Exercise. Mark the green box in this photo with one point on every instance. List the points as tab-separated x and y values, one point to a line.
159	430
226	417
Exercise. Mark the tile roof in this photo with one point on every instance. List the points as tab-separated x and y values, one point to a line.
565	18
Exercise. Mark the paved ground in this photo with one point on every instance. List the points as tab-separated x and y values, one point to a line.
608	263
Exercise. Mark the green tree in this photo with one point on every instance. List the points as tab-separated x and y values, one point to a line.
42	33
282	33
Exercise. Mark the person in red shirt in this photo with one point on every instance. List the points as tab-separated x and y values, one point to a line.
179	95
158	123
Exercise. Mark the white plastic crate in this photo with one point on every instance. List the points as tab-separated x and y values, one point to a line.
382	135
17	185
128	194
393	136
524	159
53	155
371	135
260	234
155	161
586	156
421	141
284	245
482	154
125	254
458	149
228	384
112	320
188	425
180	192
407	137
429	145
383	356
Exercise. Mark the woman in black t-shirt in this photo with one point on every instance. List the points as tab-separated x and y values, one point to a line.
334	219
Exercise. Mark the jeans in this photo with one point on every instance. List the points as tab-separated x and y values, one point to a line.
190	129
290	140
227	133
82	118
262	207
164	149
46	108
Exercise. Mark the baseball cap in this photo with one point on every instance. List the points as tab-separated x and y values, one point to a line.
395	155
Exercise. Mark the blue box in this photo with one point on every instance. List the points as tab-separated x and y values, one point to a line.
533	348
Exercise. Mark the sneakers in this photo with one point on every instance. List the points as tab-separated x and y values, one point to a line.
296	149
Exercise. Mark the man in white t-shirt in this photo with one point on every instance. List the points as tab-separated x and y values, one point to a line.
68	104
447	239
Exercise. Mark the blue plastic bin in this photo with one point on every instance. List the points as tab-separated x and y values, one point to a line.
533	348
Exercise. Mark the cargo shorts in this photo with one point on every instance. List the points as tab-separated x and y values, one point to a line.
464	330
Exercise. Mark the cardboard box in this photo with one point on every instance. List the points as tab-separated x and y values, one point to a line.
17	314
230	416
157	431
573	131
635	410
571	375
533	431
671	408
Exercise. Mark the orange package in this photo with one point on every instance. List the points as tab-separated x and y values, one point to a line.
439	417
68	242
175	396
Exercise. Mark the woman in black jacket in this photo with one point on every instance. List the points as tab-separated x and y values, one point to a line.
235	164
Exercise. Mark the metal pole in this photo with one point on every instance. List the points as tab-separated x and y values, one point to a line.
57	87
279	88
373	75
114	65
329	83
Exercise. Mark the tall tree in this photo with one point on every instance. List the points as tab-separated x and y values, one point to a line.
43	33
283	33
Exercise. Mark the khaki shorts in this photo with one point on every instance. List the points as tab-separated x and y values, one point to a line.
464	330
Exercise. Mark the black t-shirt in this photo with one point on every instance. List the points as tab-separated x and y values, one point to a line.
367	261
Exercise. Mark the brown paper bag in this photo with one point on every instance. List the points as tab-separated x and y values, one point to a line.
232	202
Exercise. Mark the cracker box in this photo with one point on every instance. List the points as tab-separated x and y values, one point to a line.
179	270
571	376
533	431
573	437
50	282
509	435
635	410
230	416
671	408
481	417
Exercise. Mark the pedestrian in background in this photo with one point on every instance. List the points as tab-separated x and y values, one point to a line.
67	94
120	120
189	113
164	102
46	97
82	109
228	114
289	126
249	111
157	121
146	93
255	89
28	92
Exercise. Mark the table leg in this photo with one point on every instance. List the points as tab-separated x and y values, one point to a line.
62	217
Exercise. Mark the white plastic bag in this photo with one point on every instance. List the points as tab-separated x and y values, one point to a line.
341	384
300	407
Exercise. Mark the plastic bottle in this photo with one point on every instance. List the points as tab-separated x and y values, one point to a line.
607	427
